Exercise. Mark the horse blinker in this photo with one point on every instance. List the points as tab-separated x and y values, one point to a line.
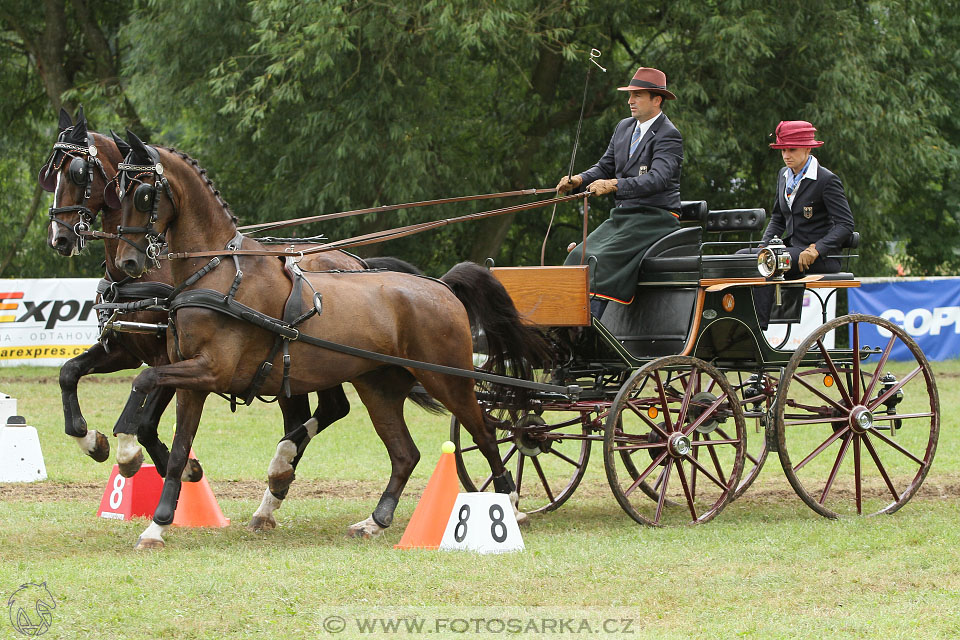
144	197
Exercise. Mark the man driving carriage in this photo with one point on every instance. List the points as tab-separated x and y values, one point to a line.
810	212
642	166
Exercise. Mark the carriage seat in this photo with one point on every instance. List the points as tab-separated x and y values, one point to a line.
724	220
693	210
679	252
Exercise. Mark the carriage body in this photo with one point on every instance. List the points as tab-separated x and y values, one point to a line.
670	383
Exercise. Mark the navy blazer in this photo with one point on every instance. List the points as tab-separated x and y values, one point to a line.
820	214
651	176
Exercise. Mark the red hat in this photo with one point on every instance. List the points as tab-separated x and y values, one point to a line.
796	134
649	79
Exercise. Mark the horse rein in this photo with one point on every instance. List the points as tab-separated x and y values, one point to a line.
145	197
381	236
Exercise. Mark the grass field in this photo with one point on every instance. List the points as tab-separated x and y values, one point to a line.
766	567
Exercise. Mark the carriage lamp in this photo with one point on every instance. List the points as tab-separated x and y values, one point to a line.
773	260
888	380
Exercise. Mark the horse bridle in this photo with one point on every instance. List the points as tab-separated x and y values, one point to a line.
80	172
144	200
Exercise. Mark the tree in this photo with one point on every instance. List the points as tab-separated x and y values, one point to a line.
57	54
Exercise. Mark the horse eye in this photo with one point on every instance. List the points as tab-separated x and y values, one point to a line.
143	197
78	171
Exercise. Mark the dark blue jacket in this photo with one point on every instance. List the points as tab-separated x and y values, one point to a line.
651	177
820	214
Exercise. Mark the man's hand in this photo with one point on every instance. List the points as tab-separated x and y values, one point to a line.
807	256
601	187
568	184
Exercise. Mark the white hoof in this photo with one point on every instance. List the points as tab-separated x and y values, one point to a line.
129	454
152	537
522	518
365	529
263	517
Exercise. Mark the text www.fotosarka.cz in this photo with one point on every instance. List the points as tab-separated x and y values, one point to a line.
412	625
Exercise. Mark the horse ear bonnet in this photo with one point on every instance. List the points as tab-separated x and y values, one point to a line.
73	134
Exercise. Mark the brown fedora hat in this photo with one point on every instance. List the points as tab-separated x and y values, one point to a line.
796	134
649	79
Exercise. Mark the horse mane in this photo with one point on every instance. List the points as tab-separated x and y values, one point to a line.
206	179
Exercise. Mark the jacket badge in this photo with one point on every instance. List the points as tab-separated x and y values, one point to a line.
808	212
642	170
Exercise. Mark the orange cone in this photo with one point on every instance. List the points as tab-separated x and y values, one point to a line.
197	507
425	530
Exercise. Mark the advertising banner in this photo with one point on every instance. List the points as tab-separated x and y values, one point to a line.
928	309
46	321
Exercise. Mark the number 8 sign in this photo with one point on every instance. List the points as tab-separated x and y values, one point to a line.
484	523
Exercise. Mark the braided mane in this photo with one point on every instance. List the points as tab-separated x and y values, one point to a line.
206	179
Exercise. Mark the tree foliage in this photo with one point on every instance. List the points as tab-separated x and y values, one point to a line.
303	107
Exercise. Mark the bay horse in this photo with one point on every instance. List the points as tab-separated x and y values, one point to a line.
399	315
80	166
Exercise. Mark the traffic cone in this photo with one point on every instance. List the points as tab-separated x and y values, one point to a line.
137	497
425	530
197	507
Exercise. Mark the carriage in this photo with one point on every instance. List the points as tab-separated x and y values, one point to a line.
687	396
681	387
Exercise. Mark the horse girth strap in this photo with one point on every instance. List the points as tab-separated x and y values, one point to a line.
378	236
216	301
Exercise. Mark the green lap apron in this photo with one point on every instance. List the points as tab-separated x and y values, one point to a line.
619	244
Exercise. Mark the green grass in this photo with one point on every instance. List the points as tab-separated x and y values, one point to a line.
766	567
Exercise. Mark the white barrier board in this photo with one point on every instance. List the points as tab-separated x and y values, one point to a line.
483	522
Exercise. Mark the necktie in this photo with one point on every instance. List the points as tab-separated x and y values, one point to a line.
635	141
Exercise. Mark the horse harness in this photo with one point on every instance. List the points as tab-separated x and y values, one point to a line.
286	328
145	200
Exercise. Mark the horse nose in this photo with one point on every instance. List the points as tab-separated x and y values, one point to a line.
130	267
62	245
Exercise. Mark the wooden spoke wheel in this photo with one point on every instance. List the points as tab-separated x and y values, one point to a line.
857	435
688	444
546	456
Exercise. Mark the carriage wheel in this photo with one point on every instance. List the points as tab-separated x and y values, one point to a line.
756	395
857	435
547	460
688	447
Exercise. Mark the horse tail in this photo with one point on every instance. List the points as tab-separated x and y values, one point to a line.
389	263
512	347
418	395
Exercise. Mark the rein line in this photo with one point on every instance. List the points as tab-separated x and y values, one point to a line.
264	226
380	236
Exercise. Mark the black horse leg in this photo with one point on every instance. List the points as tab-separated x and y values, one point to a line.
332	406
94	360
147	432
299	429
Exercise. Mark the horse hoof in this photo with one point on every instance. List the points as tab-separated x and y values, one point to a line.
148	543
262	523
366	529
128	469
193	472
101	450
523	519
